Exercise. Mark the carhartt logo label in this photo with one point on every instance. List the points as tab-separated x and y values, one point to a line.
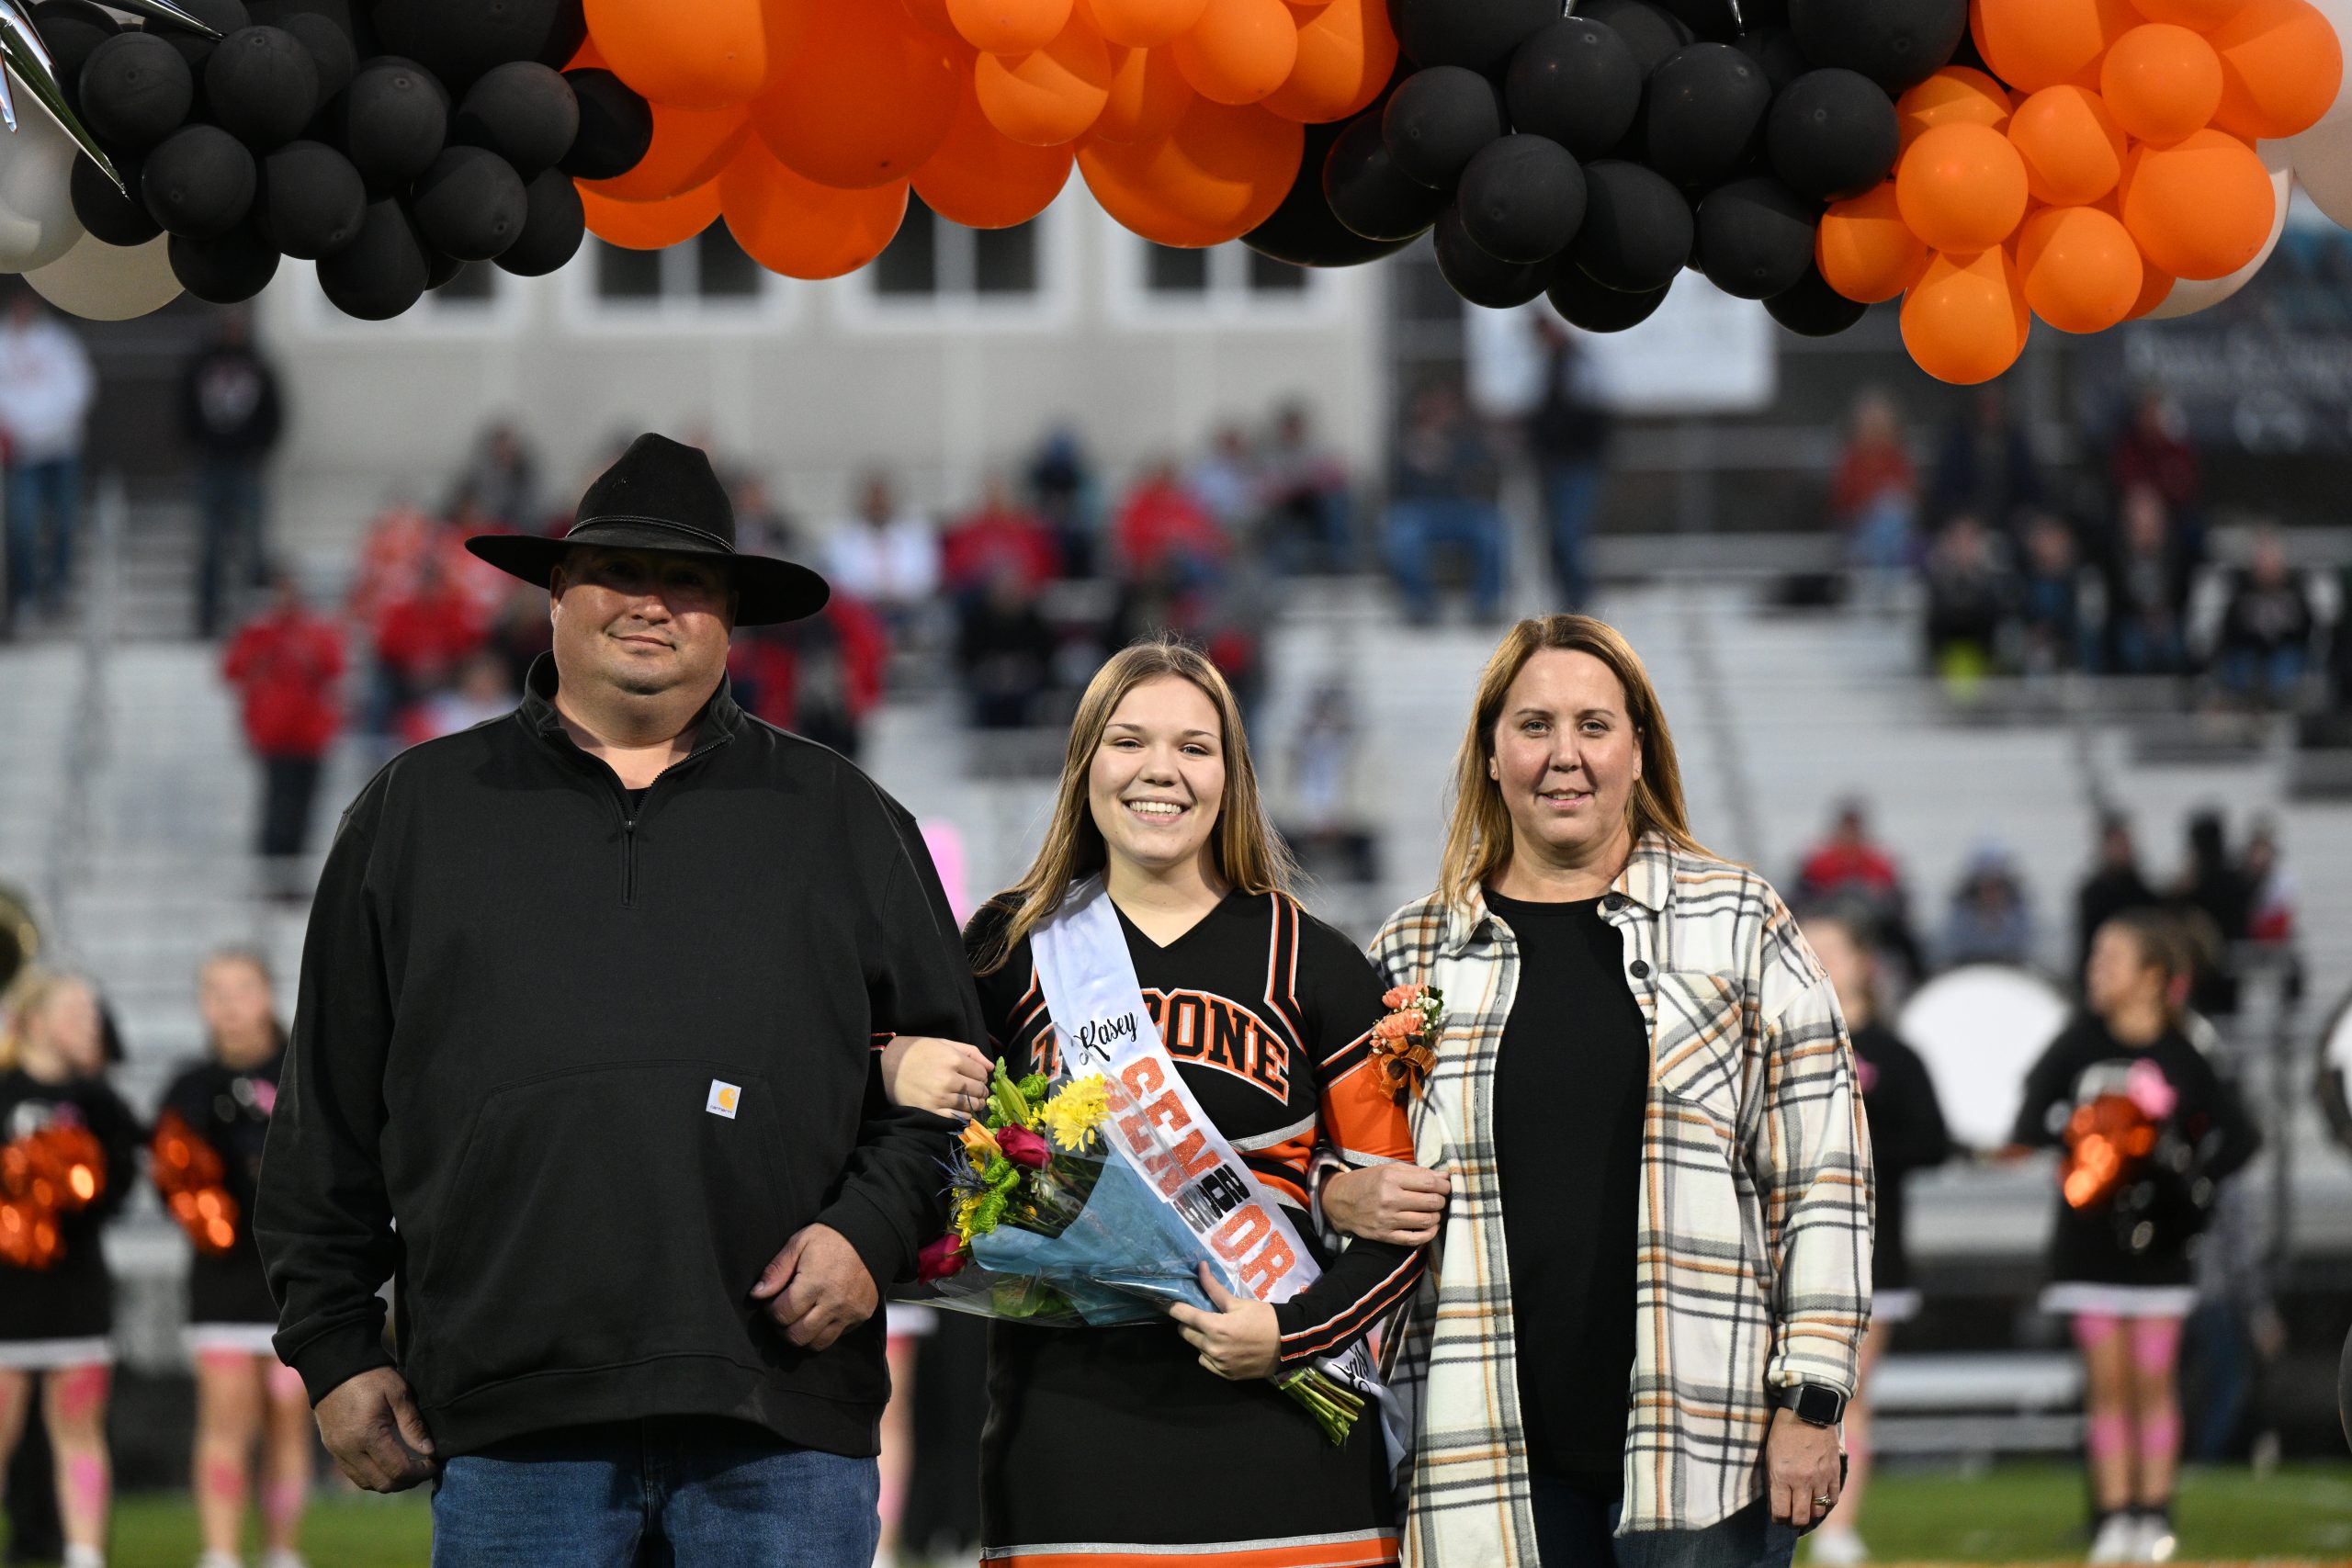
723	1099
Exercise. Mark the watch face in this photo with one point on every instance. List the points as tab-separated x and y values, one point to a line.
1817	1405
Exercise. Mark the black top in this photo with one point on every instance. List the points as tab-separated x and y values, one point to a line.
1907	1128
1570	1083
2140	1234
229	405
599	1068
230	1108
74	1297
1267	1014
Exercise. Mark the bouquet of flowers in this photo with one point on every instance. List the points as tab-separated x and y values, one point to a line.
1053	1222
1404	1044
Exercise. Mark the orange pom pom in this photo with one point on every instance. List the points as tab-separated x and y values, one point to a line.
1239	51
1864	249
2073	149
1050	97
650	225
792	225
983	179
2281	66
2034	44
2200	210
2162	82
1347	51
1953	95
1965	320
2079	268
1961	187
1148	96
689	54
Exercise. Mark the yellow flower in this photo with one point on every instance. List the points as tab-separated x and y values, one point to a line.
966	1208
1072	1114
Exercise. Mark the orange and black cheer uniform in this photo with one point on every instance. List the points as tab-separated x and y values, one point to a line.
1115	1448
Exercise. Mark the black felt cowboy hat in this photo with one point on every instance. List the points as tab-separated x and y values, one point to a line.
662	496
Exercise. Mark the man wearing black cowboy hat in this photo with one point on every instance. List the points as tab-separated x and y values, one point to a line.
583	1060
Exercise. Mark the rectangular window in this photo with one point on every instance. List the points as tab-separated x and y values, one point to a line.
935	262
710	268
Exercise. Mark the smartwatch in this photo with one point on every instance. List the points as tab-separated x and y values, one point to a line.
1816	1405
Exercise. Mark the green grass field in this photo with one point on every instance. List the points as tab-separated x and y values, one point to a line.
2021	1514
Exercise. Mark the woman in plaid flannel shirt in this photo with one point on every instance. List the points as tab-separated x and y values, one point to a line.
1749	1172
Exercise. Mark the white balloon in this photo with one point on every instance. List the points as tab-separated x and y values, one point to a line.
2339	13
99	282
2189	296
2323	164
36	221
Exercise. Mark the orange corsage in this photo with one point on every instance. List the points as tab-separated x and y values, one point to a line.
1404	1044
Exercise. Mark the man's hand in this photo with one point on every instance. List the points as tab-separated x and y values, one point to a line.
1403	1204
945	1077
1801	1466
817	1288
370	1423
1238	1341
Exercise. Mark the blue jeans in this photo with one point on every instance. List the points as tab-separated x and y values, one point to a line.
1571	499
229	492
1573	1530
44	506
679	1491
1419	525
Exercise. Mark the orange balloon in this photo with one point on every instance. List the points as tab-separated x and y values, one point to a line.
2200	210
1961	187
650	225
2281	65
931	16
1864	249
858	96
1051	97
792	225
1219	174
2072	147
1239	51
1148	96
1965	320
2080	268
2162	82
2155	287
1954	95
690	54
1143	24
2202	15
690	146
1347	51
2034	44
585	57
983	179
1009	27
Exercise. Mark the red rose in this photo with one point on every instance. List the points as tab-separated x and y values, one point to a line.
941	1259
1023	1148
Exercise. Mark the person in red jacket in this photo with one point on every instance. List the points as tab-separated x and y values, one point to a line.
286	664
1162	521
999	535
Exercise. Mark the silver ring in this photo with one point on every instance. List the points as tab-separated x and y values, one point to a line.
1825	1502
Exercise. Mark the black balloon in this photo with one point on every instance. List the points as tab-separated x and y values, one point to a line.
1711	19
553	230
565	36
440	270
1637	228
1896	43
1775	49
114	218
1756	237
312	200
470	205
71	30
135	90
1370	195
1478	278
198	182
329	47
1704	112
1479	34
395	120
1649	32
615	126
1521	198
459	40
379	274
278	13
1755	14
226	270
1436	122
1833	134
1599	309
1304	231
523	112
261	87
224	17
1577	83
1813	309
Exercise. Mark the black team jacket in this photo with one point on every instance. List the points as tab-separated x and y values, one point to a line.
573	1069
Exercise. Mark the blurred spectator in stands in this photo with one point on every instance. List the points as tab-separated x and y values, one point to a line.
1568	434
2265	644
502	481
1308	509
820	677
287	666
46	389
2152	453
999	537
1226	481
762	523
230	413
520	631
2149	581
2215	895
1848	866
2114	886
1063	482
1004	653
421	639
399	539
480	692
1325	822
1162	522
1991	918
1442	493
883	554
2053	632
1971	596
1986	465
2271	914
1875	498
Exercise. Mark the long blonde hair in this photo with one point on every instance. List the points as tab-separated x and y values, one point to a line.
1479	837
1250	854
25	1001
